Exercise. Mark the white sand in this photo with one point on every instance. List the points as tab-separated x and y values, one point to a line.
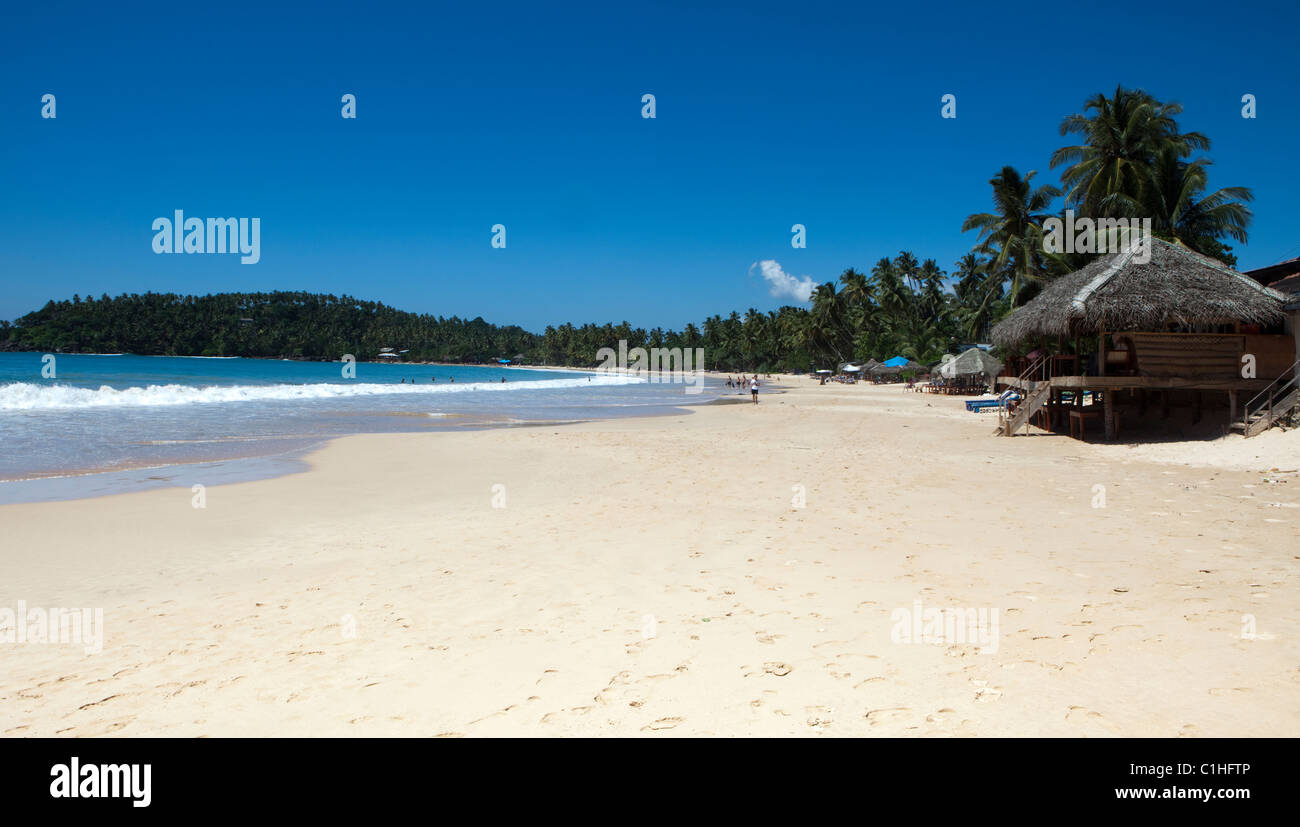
1125	619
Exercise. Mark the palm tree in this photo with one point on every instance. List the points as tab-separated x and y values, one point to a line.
1180	211
856	294
969	270
1013	236
888	286
827	322
907	267
754	337
931	278
1110	172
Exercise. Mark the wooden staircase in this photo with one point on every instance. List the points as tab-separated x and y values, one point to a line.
1030	405
1033	377
1271	405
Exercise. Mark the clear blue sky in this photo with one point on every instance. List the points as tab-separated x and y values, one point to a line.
472	114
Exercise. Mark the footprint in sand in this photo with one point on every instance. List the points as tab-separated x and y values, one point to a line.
988	693
661	724
97	703
893	713
1081	714
984	692
863	683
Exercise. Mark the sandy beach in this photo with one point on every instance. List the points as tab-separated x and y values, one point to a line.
730	571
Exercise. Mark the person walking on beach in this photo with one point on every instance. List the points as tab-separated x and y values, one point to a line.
753	388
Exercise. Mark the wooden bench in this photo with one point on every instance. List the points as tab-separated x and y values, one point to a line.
1080	416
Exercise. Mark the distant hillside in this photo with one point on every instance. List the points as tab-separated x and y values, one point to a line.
274	325
325	327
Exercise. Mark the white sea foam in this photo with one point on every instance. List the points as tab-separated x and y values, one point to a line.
26	396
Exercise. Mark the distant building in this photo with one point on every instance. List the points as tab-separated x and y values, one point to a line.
1284	277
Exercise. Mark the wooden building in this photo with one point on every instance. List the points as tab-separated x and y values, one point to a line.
1146	327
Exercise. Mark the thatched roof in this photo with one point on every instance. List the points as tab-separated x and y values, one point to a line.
970	362
1116	293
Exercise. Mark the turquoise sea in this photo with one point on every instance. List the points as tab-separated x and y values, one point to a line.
86	425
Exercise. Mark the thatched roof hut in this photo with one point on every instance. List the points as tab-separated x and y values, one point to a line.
1118	293
972	361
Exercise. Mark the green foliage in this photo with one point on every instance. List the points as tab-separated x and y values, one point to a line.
274	325
840	326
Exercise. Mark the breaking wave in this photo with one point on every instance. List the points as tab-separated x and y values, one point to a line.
26	396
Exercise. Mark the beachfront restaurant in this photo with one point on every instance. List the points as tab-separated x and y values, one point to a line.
1139	332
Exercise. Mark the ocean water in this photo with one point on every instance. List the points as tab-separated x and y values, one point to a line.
114	423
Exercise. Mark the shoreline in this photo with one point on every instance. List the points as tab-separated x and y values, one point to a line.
61	485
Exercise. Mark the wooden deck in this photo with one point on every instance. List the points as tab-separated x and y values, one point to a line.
1102	383
1041	393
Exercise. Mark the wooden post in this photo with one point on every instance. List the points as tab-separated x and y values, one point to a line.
1232	407
1101	353
1109	413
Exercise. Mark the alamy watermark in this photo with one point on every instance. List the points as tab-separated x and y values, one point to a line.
23	625
946	626
1101	235
77	780
661	364
214	235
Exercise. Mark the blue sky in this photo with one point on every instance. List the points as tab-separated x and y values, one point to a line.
469	115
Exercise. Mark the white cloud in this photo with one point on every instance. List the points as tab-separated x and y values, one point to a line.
783	285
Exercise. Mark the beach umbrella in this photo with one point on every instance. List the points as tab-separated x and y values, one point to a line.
897	362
